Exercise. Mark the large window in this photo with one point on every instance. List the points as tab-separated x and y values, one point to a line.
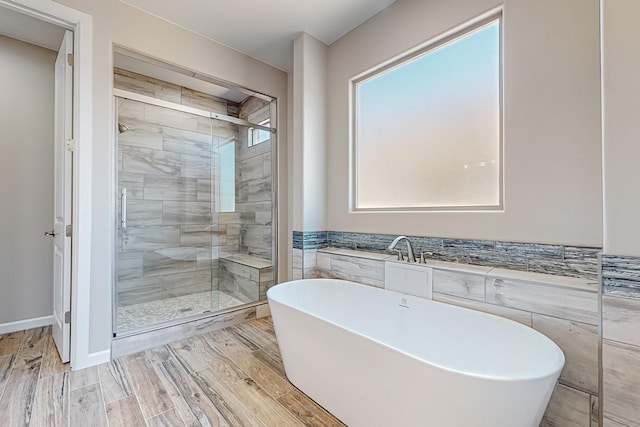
428	128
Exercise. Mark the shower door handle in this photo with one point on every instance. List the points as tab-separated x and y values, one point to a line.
123	203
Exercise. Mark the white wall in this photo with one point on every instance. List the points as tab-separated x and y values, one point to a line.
552	147
26	186
116	22
309	133
621	106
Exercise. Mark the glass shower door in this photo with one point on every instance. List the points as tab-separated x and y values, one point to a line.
166	226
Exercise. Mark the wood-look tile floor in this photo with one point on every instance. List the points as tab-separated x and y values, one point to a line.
230	377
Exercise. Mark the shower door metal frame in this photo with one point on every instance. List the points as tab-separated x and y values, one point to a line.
124	94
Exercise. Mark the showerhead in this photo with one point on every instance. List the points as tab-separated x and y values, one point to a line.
122	127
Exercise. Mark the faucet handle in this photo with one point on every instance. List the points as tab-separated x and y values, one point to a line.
399	252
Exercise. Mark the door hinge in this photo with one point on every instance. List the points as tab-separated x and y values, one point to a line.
70	59
68	230
70	144
67	317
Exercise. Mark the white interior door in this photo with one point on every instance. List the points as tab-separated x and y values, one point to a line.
63	197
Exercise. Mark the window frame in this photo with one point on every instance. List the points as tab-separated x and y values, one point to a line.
252	133
425	48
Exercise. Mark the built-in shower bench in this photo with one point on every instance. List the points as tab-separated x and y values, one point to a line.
246	276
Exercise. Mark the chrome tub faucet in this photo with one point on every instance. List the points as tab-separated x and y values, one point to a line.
410	254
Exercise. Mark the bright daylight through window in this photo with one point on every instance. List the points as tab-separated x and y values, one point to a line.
428	128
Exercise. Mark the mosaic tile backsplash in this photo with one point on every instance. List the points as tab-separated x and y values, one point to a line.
621	275
572	261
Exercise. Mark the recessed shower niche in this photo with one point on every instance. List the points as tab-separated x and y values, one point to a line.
194	195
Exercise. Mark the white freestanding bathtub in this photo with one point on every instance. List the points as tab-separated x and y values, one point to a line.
374	357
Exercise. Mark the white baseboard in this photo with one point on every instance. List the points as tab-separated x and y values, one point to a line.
21	325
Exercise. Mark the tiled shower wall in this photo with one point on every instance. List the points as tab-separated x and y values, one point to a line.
168	248
255	184
173	241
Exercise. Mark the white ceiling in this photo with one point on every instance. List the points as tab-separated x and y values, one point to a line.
264	29
30	30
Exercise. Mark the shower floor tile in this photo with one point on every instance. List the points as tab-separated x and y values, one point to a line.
146	314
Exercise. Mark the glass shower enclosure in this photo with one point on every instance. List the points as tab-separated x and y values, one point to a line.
195	209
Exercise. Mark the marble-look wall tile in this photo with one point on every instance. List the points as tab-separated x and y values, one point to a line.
237	269
519	316
246	289
195	166
171	118
199	281
203	187
133	182
595	411
256	190
170	188
198	235
186	213
128	109
147	86
621	382
227	131
459	284
140	239
297	258
150	162
246	276
129	265
140	134
566	303
568	407
196	99
267	164
323	261
186	142
251	168
204	259
143	212
309	260
255	212
621	319
579	342
361	270
169	261
255	235
154	288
